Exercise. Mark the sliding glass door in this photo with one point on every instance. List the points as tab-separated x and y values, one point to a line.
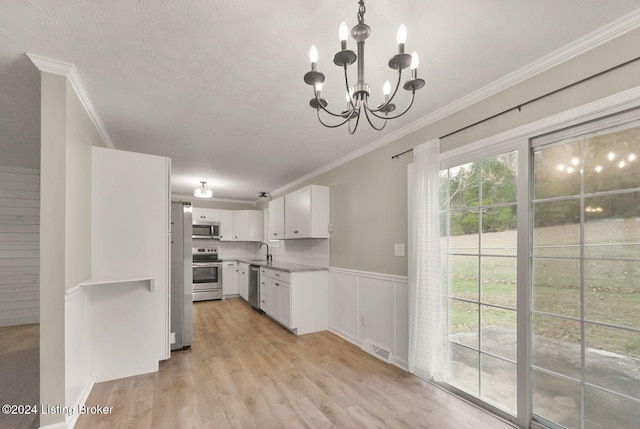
541	264
586	279
479	243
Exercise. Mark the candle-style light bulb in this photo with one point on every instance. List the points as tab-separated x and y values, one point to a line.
318	88
343	34
401	38
386	90
415	61
313	56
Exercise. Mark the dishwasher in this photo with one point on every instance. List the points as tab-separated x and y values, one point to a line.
254	286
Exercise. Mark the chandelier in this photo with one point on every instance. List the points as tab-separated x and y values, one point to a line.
357	96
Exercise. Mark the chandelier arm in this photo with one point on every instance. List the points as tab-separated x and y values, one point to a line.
321	106
395	91
413	96
346	84
332	126
356	126
366	113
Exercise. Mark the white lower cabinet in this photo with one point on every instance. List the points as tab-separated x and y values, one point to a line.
299	301
243	280
230	278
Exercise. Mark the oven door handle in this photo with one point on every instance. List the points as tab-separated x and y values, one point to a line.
207	264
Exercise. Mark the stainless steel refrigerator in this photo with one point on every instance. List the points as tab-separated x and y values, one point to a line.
181	276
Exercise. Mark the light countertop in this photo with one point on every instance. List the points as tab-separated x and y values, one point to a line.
284	266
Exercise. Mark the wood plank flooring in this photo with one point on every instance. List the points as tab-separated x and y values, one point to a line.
19	373
245	371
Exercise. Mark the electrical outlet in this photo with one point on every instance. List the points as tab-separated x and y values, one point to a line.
172	338
363	320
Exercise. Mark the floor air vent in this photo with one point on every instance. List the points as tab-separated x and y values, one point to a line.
376	350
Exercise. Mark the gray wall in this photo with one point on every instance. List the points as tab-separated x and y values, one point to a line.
369	194
67	134
19	244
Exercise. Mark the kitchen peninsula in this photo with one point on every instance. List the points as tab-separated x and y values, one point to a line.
294	295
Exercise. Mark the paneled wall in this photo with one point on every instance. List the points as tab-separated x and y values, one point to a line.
19	246
370	307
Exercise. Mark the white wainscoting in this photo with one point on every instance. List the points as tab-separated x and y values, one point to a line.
77	347
370	306
19	246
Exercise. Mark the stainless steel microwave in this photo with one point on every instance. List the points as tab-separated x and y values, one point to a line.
210	230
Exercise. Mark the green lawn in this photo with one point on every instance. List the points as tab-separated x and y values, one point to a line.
611	295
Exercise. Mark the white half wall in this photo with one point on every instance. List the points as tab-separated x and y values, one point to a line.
370	306
19	246
129	317
77	350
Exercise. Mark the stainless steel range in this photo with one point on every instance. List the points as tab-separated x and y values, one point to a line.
207	274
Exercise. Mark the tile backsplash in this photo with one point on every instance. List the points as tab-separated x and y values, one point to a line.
309	251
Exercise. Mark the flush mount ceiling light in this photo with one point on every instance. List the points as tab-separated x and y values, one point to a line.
203	191
357	96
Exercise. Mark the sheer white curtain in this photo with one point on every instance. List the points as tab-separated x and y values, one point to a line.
428	348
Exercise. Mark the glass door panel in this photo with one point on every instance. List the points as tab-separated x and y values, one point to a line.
586	280
479	243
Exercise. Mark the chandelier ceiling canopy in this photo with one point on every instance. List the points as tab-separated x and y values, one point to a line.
357	96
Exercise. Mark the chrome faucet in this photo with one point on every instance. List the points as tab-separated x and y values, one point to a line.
269	255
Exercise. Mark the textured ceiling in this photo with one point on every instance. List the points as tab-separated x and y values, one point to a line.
217	85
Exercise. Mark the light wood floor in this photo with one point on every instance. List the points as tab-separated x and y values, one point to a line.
245	371
19	373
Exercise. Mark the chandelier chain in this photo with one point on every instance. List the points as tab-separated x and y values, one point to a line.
361	11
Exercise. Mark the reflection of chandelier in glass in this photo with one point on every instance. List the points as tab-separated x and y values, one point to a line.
357	96
619	161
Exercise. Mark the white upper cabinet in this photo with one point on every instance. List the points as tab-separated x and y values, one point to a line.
206	215
306	213
256	225
241	225
276	219
226	225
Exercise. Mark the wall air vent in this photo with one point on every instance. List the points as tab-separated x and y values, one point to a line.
376	350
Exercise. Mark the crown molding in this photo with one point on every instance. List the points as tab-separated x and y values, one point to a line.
69	70
191	199
601	36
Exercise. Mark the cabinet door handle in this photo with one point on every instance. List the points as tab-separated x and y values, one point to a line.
277	284
275	233
295	232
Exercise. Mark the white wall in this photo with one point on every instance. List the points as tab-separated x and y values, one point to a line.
68	133
19	246
129	322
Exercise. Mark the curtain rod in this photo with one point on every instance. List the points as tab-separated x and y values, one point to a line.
533	100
